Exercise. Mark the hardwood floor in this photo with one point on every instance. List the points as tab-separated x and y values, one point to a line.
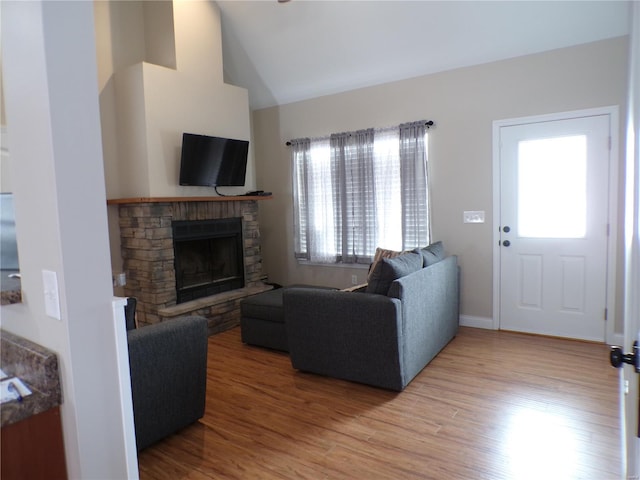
491	405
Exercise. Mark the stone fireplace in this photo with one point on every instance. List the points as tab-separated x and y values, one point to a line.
197	256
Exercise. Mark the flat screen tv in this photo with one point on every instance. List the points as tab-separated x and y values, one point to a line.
213	161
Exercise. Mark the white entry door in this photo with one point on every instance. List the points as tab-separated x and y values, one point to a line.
554	178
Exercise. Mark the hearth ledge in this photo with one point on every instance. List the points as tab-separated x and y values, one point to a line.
204	302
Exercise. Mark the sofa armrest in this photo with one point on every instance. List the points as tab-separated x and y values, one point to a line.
353	336
430	302
168	365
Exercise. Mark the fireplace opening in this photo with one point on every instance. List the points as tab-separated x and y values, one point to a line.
209	257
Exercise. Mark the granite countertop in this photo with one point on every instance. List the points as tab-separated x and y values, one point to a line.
10	288
37	367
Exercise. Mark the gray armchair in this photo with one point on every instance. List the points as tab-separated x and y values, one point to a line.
168	364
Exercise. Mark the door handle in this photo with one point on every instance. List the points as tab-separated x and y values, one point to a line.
506	243
617	357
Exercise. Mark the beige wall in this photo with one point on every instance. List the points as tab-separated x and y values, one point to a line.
146	106
160	74
5	168
463	104
5	171
3	121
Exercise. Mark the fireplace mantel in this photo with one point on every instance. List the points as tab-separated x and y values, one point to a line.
220	198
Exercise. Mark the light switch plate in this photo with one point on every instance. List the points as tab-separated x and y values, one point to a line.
473	216
51	296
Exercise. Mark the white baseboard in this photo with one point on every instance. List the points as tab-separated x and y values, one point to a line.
617	339
487	323
476	322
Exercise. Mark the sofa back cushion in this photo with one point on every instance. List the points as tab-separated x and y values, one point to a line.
431	254
389	269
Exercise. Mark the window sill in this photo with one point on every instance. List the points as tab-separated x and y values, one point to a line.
306	263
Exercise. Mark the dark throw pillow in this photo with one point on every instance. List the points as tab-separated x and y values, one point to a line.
379	255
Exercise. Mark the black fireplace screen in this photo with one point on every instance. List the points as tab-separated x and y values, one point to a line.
208	257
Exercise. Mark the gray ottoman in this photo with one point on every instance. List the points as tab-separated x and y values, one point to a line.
262	319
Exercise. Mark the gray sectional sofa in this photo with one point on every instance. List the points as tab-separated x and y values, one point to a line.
382	339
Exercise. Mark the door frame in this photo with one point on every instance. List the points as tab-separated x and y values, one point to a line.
611	337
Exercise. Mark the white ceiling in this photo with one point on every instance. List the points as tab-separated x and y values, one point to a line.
285	52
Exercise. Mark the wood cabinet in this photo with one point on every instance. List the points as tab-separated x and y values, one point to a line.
34	448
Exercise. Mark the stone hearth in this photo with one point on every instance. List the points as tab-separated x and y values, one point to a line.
148	257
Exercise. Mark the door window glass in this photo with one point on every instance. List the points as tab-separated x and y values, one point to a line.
552	187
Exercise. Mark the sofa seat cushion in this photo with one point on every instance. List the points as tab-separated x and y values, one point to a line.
389	269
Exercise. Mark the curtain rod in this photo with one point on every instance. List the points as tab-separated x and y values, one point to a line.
428	123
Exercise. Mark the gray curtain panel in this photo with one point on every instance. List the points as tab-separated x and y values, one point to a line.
413	170
300	154
352	154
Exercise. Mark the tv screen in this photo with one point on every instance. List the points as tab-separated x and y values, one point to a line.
213	161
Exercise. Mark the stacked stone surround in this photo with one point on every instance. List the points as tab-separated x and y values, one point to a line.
147	251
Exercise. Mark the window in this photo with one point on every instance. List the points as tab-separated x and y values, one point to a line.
360	190
552	187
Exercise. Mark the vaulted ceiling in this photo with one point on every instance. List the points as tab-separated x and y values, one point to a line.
285	52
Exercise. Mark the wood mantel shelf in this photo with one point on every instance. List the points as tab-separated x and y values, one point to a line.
234	198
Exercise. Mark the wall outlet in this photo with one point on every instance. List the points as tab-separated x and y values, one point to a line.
354	279
119	280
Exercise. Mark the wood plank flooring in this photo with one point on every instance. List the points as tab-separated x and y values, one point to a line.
491	405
